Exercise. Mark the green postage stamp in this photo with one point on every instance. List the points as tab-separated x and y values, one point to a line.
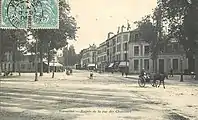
44	14
13	14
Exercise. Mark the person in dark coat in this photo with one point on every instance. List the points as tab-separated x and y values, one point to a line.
171	72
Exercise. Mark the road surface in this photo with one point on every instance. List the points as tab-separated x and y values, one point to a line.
106	97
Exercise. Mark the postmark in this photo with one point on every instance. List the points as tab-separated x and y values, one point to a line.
14	14
45	14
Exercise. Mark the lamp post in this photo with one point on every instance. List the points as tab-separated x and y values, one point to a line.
181	64
53	63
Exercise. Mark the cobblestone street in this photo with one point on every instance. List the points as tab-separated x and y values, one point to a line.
106	97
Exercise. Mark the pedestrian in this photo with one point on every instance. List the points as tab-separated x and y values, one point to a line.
171	72
91	75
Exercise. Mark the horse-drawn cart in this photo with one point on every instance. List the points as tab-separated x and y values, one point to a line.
147	78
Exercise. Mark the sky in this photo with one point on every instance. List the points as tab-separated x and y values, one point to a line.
98	17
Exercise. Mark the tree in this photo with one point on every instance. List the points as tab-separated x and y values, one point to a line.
182	19
57	37
149	28
70	57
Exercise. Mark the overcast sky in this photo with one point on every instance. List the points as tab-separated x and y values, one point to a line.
98	17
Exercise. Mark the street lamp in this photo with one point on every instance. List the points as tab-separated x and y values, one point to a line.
181	64
53	63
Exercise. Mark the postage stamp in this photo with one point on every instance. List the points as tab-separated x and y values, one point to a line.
45	14
14	14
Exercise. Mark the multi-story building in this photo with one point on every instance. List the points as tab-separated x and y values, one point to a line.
89	57
25	62
170	55
117	47
102	56
22	62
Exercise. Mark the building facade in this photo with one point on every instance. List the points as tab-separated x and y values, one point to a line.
89	57
117	49
102	56
22	62
171	55
26	63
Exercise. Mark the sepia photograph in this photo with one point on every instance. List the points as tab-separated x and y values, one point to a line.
99	60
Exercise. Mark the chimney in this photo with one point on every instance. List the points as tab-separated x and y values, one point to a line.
122	28
109	34
118	30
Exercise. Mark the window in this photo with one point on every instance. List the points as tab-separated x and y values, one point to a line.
114	41
136	37
136	50
125	46
114	49
113	58
146	64
125	56
146	50
175	64
104	58
108	52
108	44
118	39
118	47
125	38
162	49
136	65
169	48
118	57
175	47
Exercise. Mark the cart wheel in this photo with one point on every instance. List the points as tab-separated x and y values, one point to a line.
141	82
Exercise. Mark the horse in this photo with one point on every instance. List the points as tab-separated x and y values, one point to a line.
158	76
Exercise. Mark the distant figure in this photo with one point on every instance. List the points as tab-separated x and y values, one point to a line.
91	75
171	72
142	72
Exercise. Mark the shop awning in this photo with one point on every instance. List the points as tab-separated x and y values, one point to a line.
54	64
111	65
124	64
91	65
